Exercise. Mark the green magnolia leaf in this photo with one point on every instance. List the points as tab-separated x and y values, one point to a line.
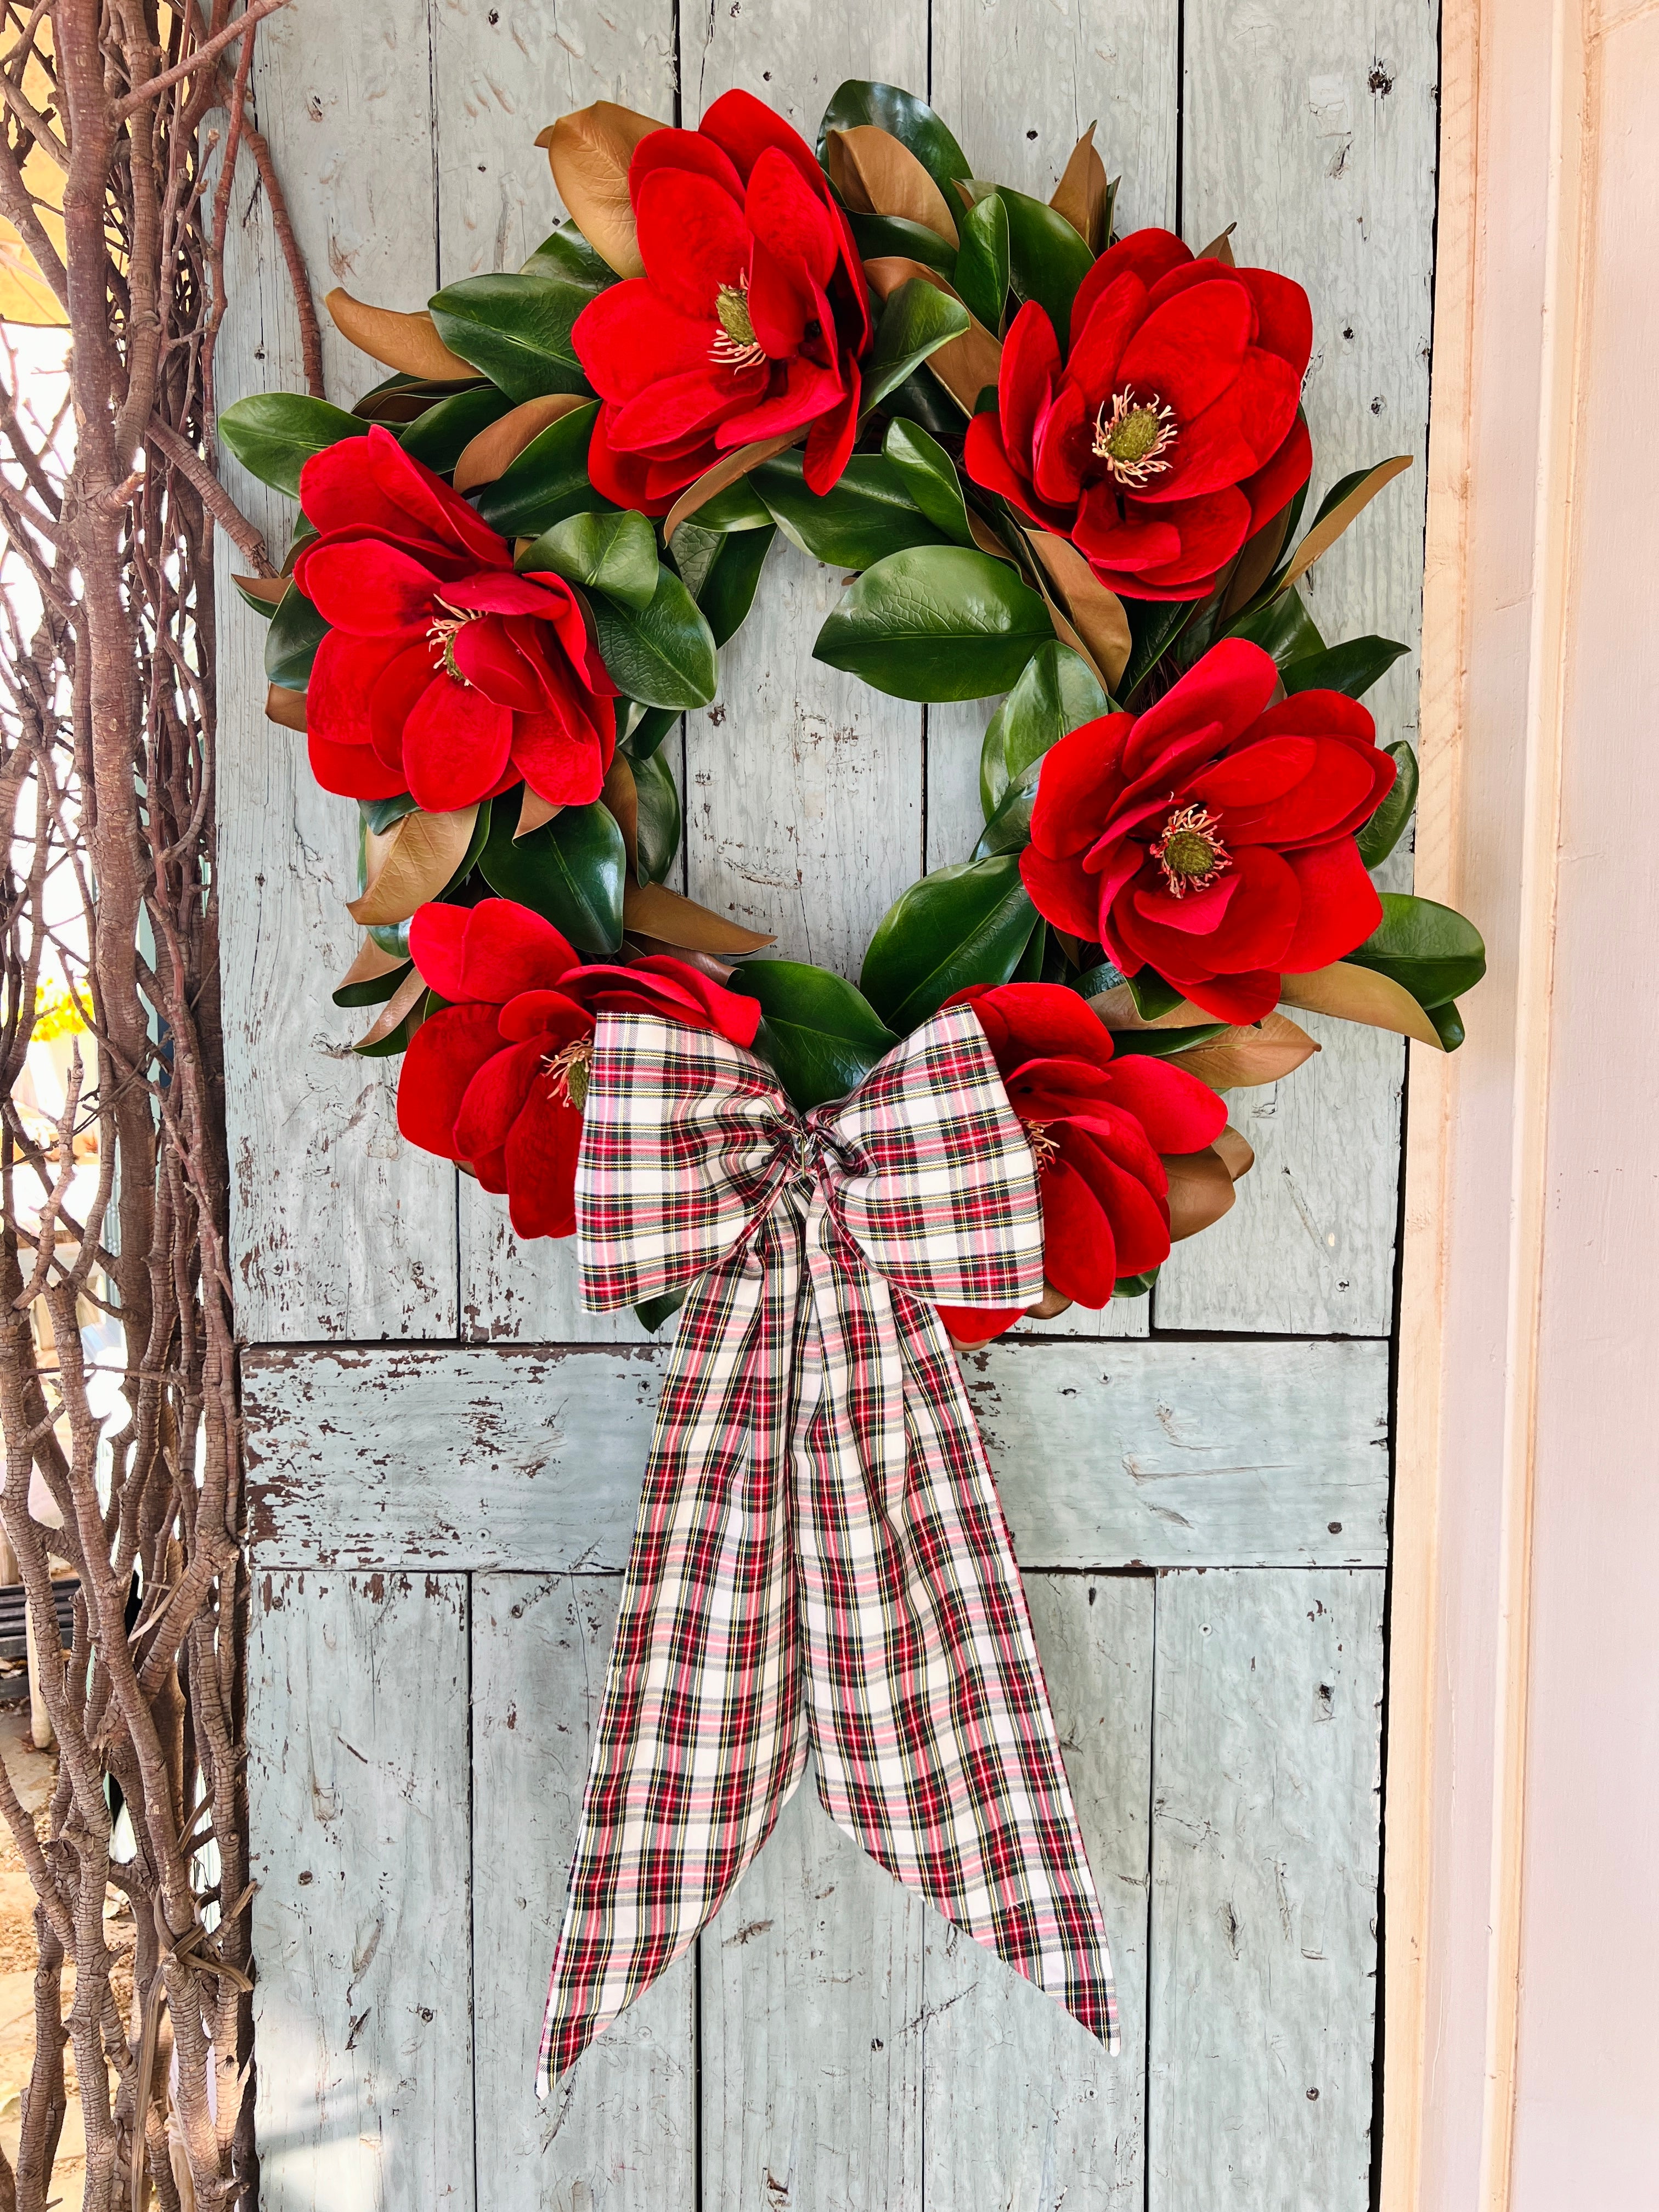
726	590
1155	626
821	1034
442	435
1158	1044
1429	950
1282	627
274	434
375	991
962	925
910	120
1135	1287
1152	996
291	642
916	321
982	260
1057	692
571	870
566	255
1008	829
1047	259
516	330
1387	826
658	834
922	399
647	730
939	621
653	1312
548	481
616	554
398	1041
1352	667
1030	966
877	235
1448	1025
929	476
867	515
737	507
663	654
379	814
264	608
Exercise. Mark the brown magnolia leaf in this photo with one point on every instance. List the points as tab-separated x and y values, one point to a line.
484	457
655	911
1255	562
621	795
589	152
637	946
1325	533
877	174
1049	1306
409	343
267	590
1234	1151
1220	249
533	810
373	961
1360	994
1080	195
410	864
1240	1059
1200	1191
726	470
964	366
1095	609
987	538
1118	1011
407	996
286	707
406	404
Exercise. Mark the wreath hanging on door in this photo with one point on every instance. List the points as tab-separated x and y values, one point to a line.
1054	464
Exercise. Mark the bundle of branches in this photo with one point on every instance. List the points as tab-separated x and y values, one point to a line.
123	121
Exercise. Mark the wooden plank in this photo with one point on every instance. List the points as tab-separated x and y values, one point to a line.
501	70
338	1228
358	1753
1316	129
1153	1454
623	2125
1021	2107
813	2026
1266	1784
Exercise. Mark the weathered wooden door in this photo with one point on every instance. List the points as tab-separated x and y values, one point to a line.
447	1452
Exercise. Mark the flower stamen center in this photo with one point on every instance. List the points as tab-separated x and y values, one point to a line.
441	634
1133	436
570	1072
1189	852
1044	1150
736	346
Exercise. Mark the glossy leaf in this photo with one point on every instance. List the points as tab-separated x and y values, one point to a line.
939	621
1449	1024
516	330
911	121
547	482
1352	666
729	583
274	434
296	630
737	507
1430	949
616	554
566	257
1047	259
982	260
876	234
442	435
929	477
821	1034
1057	692
1159	1044
651	1313
1283	626
921	399
663	654
379	814
867	515
1155	627
647	727
657	831
1387	825
916	321
962	925
571	870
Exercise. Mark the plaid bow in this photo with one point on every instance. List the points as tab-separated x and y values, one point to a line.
821	1560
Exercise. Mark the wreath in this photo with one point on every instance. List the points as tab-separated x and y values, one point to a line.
1057	465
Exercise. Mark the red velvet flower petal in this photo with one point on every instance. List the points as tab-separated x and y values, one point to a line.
973	1325
455	746
693	240
1339	906
672	150
1140	1218
808	391
1062	893
1189	349
491	951
541	1165
1273	487
1026	379
1145	254
351	771
743	127
789	218
444	1056
1234	438
495	1097
1078	783
436	511
1283	317
1079	1253
829	441
1032	1021
1097	342
343	673
560	755
1178	1112
550	1015
393	699
1228	687
366	586
629	336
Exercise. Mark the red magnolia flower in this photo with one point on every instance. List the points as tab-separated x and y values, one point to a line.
1096	1126
748	322
498	1080
1212	840
1170	433
444	674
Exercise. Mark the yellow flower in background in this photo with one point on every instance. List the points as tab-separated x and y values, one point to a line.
56	1015
25	295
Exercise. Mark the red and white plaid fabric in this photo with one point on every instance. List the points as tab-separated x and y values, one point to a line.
821	1561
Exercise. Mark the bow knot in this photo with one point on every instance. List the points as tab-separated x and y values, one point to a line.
820	1562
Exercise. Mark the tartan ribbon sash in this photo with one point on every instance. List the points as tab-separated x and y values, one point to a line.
821	1561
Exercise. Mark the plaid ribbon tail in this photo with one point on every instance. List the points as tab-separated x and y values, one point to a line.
820	1559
